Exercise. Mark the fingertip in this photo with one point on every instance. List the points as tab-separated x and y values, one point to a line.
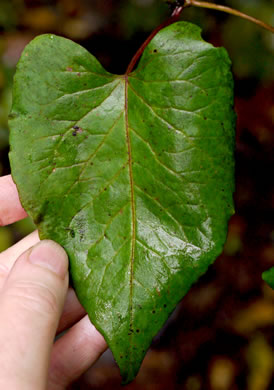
32	300
50	255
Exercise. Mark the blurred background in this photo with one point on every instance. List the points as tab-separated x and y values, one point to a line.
221	336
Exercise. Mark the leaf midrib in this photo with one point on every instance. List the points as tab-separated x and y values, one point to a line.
133	211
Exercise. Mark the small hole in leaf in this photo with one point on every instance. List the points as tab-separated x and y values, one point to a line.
153	312
155	51
72	233
137	330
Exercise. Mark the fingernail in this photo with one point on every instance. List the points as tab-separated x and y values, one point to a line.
50	255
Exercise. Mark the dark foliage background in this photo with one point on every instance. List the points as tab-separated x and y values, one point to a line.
221	335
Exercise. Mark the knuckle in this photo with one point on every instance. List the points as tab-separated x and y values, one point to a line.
34	296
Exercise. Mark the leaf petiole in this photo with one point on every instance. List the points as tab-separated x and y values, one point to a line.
177	8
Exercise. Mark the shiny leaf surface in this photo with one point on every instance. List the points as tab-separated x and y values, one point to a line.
131	174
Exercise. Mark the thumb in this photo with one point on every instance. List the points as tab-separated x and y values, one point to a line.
31	303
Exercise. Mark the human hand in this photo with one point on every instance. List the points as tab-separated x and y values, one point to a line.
35	305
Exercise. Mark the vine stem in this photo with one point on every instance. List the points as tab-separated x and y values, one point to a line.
176	15
205	4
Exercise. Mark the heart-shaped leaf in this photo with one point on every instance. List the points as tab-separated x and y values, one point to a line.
131	174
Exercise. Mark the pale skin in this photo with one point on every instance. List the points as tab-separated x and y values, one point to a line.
35	305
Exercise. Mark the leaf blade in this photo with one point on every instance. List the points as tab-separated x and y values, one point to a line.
146	183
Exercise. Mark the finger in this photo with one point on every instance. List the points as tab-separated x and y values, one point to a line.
11	209
73	310
10	255
31	302
74	353
72	313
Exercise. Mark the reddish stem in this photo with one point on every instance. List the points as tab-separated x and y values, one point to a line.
173	18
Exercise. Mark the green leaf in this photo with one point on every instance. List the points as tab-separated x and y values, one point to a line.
133	175
268	277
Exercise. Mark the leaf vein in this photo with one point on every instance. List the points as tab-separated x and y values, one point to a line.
163	208
155	252
108	264
156	157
